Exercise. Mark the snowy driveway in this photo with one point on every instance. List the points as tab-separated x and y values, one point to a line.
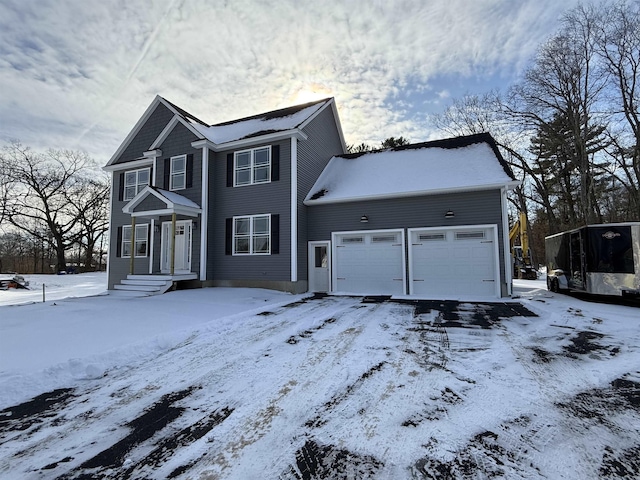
337	388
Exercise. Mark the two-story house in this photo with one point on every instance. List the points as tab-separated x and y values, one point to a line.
273	201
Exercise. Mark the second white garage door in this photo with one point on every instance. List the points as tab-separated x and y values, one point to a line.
453	262
369	262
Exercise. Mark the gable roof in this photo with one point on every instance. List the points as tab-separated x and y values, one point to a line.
174	203
284	121
281	120
466	163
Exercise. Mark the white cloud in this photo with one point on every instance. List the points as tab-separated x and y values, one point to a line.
79	73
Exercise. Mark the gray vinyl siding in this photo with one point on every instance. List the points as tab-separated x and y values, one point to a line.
119	267
178	142
150	203
146	135
470	208
323	142
227	202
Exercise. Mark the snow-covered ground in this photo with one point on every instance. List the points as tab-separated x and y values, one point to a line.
255	384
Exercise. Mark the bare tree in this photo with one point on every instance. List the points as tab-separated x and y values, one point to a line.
90	205
44	184
565	83
618	45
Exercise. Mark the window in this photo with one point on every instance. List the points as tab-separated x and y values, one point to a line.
252	166
252	235
177	179
430	237
134	181
142	233
384	238
469	235
348	240
321	257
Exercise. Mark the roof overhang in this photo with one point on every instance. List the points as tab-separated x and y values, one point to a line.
416	193
251	141
174	203
143	162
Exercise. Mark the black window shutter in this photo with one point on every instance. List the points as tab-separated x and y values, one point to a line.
167	173
121	187
228	236
230	170
275	163
189	170
275	234
119	242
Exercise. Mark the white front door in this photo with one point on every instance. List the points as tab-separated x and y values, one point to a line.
182	263
319	266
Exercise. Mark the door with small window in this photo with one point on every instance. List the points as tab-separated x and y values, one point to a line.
320	266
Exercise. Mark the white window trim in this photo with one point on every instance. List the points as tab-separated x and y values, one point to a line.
145	239
137	184
252	166
173	173
250	235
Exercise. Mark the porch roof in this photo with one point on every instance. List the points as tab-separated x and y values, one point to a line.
163	202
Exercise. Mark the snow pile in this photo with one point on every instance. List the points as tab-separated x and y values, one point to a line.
242	384
391	173
240	129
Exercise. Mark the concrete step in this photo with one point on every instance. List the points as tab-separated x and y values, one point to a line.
157	283
140	288
164	278
128	293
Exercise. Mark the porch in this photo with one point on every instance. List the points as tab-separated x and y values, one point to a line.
154	284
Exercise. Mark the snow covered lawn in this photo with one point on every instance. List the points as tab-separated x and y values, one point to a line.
252	384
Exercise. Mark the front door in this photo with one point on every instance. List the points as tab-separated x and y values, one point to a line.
182	262
319	266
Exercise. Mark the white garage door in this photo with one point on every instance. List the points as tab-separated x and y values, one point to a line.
369	262
453	262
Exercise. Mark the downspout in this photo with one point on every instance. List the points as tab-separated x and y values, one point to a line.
113	176
204	215
294	209
508	270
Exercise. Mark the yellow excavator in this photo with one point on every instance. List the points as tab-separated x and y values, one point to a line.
521	254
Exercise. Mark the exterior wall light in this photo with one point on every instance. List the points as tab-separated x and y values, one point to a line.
364	219
449	214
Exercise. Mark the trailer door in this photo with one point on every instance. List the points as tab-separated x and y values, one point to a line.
577	260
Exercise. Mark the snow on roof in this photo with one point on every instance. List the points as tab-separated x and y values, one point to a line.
263	124
177	199
466	163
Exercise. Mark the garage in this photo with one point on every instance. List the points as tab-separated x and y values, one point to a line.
454	261
369	262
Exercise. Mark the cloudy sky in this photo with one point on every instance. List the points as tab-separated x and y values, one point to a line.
78	74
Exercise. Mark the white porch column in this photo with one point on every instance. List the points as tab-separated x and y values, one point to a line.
173	243
133	245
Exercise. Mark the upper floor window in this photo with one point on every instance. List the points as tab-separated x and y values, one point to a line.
252	166
134	181
141	240
178	174
252	235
